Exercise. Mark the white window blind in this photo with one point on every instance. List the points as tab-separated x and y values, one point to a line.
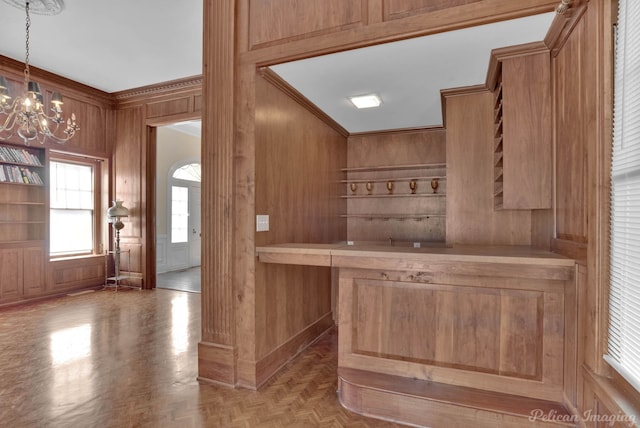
624	295
71	208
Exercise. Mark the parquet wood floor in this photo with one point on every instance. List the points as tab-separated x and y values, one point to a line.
129	359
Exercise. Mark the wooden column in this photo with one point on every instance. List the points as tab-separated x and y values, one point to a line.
217	349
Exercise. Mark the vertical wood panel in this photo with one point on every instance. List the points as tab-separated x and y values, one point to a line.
218	174
527	132
271	20
411	312
571	148
128	183
468	329
521	327
395	9
33	277
10	272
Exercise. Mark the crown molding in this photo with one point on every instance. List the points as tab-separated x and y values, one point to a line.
15	69
145	93
278	82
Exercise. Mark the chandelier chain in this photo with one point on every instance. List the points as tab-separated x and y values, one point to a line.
26	58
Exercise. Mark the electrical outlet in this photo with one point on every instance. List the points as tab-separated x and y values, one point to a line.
262	223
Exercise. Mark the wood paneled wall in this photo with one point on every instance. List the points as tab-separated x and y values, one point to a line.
271	28
403	147
583	81
574	77
297	183
133	168
240	37
471	218
93	108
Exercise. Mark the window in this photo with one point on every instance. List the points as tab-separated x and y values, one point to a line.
189	172
72	205
624	295
182	178
179	214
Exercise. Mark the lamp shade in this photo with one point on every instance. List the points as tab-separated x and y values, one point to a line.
33	87
117	210
56	99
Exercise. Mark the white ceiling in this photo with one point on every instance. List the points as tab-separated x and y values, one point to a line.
110	45
407	75
189	127
117	45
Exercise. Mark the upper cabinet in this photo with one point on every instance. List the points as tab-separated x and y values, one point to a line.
520	79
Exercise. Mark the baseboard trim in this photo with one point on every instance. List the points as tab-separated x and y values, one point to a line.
255	374
217	364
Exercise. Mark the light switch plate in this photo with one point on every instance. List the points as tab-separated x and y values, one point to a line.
262	223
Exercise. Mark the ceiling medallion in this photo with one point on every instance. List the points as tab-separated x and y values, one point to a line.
39	7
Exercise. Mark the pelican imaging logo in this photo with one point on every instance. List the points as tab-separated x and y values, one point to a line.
587	416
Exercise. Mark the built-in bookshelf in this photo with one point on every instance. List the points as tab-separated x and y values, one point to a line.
20	165
22	194
23	219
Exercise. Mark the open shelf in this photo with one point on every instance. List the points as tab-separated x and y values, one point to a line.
399	195
22	194
400	179
394	167
393	216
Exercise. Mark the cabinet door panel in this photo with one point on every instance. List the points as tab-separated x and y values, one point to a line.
527	172
10	272
33	270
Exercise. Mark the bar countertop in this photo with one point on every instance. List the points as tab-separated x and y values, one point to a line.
332	254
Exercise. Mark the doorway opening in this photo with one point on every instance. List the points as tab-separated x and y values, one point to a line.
178	206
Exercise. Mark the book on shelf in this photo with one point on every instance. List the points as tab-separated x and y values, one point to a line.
15	155
16	174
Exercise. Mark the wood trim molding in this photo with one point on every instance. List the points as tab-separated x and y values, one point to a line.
501	54
571	249
149	92
452	92
396	131
79	90
616	397
277	81
217	352
253	375
484	12
562	27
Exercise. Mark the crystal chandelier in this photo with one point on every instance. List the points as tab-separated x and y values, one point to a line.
26	114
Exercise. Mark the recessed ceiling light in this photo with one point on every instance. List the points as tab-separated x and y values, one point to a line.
366	101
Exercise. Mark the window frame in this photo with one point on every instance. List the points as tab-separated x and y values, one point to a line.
98	177
612	385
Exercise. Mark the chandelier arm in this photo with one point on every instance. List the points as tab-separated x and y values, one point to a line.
9	111
10	122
